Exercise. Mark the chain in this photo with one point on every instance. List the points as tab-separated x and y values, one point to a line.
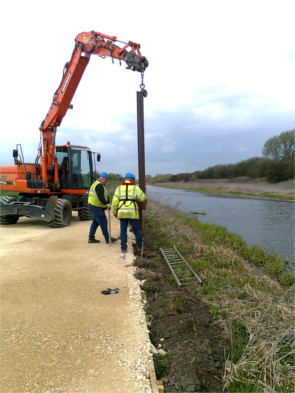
142	85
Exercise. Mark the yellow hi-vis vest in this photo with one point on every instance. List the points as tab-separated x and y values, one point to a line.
92	196
124	201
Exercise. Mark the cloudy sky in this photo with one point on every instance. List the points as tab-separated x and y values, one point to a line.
220	80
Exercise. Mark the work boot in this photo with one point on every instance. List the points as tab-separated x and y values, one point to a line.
138	251
93	241
113	240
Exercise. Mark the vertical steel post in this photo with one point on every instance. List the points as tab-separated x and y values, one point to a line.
141	152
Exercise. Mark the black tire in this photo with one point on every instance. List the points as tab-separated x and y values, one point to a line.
62	214
84	214
7	199
10	219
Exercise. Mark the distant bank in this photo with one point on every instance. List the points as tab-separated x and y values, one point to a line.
241	185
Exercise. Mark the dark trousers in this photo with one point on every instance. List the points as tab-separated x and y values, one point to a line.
98	220
123	232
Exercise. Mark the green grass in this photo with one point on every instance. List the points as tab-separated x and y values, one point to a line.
160	362
220	237
5	193
246	291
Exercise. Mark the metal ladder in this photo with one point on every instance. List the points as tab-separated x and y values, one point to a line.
179	267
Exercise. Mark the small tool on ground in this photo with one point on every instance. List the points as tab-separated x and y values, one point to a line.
109	291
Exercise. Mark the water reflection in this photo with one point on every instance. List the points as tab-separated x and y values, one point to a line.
267	224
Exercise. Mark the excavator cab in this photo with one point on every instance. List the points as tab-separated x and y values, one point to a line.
75	167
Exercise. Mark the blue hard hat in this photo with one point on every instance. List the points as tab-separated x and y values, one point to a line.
129	175
104	174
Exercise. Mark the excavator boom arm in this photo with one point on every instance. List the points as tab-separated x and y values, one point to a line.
86	44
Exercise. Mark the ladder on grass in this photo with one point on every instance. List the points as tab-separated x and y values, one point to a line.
182	272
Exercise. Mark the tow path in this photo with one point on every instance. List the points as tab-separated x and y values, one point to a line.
59	332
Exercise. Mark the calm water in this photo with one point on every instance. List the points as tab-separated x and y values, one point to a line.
264	223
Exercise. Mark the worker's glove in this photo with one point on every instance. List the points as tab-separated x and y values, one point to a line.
109	206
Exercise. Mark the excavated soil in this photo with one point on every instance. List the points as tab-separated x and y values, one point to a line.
188	355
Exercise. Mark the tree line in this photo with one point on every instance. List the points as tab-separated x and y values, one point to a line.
277	164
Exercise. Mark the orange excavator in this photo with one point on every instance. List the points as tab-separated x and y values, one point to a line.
59	180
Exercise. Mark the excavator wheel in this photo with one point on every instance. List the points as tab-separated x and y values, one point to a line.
10	219
62	214
84	214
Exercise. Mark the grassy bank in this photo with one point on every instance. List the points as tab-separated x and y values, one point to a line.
248	291
281	196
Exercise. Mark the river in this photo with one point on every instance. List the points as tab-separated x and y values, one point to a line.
265	223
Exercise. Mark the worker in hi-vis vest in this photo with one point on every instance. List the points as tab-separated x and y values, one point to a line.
98	202
125	208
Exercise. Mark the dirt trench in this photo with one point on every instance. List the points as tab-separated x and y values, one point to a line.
187	342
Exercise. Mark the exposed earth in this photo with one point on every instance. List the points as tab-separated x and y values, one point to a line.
189	354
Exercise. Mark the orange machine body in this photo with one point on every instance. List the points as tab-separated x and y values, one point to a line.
61	171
